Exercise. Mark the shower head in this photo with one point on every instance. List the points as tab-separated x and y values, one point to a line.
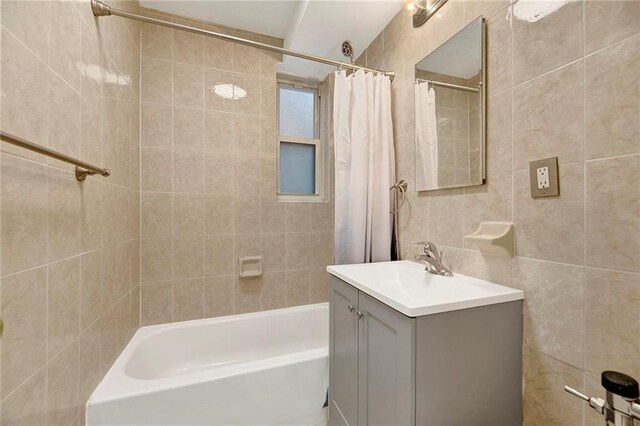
347	50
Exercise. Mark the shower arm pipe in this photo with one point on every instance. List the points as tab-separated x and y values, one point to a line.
101	9
83	169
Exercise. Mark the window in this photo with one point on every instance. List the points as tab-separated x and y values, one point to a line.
301	153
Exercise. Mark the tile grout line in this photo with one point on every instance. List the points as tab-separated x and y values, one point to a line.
259	189
584	201
46	264
614	44
234	269
173	176
203	313
513	191
139	283
48	283
613	157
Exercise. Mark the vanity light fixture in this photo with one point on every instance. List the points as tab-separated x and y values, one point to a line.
420	11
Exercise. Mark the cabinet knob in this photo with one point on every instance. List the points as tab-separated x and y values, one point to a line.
360	315
351	308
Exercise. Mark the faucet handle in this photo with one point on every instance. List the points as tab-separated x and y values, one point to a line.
620	384
426	244
622	398
430	248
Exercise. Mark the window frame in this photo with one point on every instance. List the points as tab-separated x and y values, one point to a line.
316	142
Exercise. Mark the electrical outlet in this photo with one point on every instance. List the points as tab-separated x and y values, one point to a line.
544	178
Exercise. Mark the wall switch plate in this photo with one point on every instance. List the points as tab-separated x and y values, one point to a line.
544	178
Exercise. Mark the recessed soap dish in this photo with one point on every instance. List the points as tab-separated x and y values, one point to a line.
494	238
250	266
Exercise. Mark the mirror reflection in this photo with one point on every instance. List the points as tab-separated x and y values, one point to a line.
449	111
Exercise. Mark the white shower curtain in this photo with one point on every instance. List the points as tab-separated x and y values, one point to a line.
364	167
426	137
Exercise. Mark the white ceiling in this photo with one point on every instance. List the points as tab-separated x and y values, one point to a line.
316	27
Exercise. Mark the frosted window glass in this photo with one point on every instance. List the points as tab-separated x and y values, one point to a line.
297	168
296	113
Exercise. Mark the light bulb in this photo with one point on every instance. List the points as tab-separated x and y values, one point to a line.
411	7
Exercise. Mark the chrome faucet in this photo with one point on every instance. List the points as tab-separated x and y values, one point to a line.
432	259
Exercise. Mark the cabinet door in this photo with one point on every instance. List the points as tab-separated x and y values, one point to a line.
343	353
386	362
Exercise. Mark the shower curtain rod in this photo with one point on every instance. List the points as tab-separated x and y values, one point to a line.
101	9
451	86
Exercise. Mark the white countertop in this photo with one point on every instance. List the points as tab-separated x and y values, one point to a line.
408	288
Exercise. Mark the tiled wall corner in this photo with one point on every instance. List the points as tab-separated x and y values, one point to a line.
564	85
69	251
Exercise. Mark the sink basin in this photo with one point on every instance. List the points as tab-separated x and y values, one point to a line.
408	288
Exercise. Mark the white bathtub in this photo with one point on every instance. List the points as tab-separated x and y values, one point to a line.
266	368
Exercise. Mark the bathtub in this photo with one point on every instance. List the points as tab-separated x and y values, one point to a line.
266	368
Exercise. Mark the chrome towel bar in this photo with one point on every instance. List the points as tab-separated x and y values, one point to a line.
82	169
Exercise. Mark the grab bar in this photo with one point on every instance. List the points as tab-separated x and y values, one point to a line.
82	169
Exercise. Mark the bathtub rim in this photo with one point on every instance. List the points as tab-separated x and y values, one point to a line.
117	384
150	330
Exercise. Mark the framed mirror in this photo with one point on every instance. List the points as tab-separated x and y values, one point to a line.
450	112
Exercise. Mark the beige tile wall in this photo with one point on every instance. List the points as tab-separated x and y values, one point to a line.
567	86
564	85
69	250
209	184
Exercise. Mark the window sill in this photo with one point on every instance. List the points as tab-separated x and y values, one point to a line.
287	198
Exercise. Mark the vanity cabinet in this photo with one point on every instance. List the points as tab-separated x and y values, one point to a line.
343	349
385	364
460	367
371	362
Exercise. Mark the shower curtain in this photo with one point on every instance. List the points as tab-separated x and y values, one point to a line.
426	137
364	167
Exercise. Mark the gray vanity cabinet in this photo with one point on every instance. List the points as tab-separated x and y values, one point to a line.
453	368
343	349
371	360
385	364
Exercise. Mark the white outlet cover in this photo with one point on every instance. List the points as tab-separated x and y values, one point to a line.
543	177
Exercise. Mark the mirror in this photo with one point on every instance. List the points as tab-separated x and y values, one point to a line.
450	112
